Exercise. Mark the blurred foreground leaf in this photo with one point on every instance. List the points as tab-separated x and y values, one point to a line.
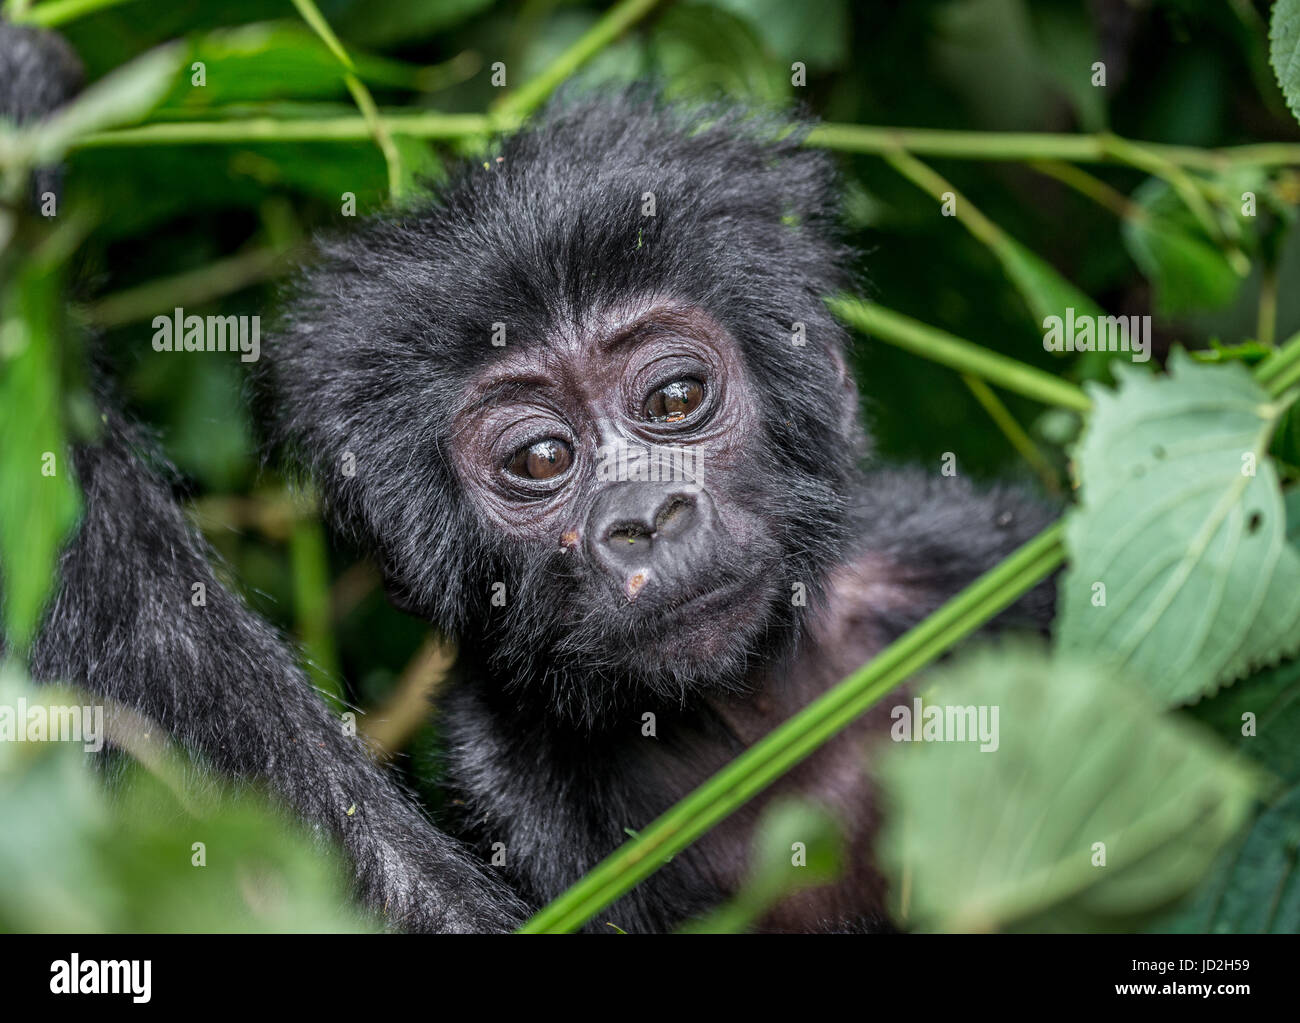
1085	768
38	499
170	852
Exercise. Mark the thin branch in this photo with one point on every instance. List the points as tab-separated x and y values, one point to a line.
1091	187
1015	146
54	13
272	129
391	725
968	145
959	354
191	288
360	94
1014	432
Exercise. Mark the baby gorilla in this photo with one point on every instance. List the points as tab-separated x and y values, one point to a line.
475	384
589	412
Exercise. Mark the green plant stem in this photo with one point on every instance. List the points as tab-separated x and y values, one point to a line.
1010	253
309	564
191	288
791	742
54	13
1015	146
617	20
1186	187
956	353
1266	323
1013	432
1091	187
971	145
1145	158
1278	365
929	180
1285	379
357	88
272	129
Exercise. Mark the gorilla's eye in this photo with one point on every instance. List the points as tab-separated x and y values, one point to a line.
674	401
542	460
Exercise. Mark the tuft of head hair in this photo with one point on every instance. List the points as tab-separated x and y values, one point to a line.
380	335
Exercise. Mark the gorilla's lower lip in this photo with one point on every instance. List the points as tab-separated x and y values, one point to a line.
728	594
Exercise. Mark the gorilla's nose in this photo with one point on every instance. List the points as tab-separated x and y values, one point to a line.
643	533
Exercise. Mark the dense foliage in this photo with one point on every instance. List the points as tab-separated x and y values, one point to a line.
1160	725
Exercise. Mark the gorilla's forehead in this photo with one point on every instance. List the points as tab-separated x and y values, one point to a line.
585	356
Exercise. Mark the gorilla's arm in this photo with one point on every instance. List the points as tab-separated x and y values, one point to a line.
932	535
225	684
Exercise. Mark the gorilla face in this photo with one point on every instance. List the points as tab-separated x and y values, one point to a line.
629	464
585	404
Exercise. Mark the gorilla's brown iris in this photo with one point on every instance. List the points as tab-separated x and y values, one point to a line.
543	460
674	401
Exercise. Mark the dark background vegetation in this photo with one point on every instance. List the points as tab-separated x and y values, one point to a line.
231	219
1179	71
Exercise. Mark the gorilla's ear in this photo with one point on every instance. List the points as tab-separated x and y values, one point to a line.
850	401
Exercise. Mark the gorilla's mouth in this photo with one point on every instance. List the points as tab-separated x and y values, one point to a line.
719	599
707	624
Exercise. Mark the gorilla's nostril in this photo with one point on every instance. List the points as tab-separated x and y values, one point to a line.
628	532
671	512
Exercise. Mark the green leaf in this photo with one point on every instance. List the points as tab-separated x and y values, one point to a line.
268	60
1284	53
1008	839
816	32
38	499
1261	717
388	22
1252	888
1187	270
1045	291
1180	570
70	863
1286	441
119	98
702	50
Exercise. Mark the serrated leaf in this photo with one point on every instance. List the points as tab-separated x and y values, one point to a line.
1252	888
1260	716
1181	521
1008	839
1284	50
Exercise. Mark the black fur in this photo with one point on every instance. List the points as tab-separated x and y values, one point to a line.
379	338
389	324
38	73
